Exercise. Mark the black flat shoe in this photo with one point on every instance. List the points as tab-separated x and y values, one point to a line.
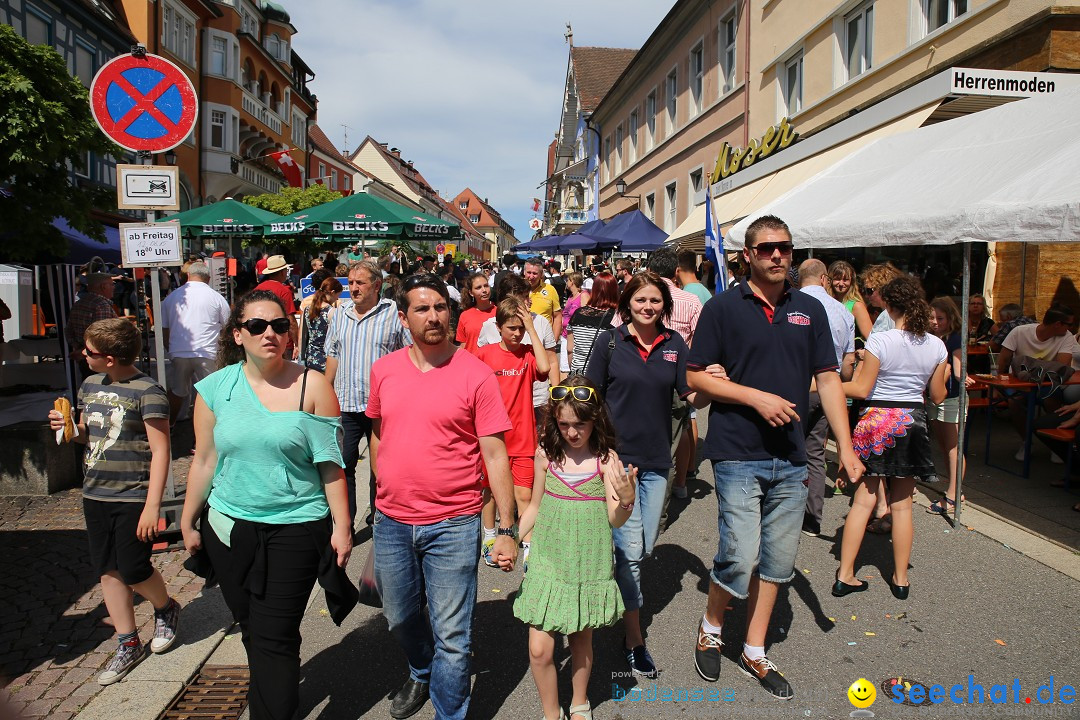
409	699
840	589
900	592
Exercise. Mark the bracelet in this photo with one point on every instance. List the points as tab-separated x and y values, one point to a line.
629	507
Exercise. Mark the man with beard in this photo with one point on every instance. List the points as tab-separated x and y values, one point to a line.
437	420
772	341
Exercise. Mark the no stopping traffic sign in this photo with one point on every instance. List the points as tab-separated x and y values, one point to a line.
144	103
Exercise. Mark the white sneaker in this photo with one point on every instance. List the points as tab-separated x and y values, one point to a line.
1056	459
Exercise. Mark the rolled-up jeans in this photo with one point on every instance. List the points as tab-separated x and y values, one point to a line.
635	540
436	562
760	517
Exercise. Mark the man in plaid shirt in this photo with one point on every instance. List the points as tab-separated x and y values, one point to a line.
95	305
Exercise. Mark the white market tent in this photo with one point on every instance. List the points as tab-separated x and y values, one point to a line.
1007	174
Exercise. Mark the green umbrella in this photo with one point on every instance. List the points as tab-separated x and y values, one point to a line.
362	215
227	218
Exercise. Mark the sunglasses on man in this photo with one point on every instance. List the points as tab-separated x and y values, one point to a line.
581	393
257	326
766	249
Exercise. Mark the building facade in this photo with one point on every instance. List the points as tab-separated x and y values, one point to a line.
326	165
572	184
385	163
487	220
664	119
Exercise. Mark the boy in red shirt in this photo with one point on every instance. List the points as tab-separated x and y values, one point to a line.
516	367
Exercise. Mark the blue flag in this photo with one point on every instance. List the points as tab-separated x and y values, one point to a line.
714	248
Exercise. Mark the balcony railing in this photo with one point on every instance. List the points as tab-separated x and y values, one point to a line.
260	112
263	179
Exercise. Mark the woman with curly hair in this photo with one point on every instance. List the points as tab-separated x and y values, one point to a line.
845	289
944	418
891	437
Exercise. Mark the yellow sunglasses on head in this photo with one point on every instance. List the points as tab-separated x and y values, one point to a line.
583	393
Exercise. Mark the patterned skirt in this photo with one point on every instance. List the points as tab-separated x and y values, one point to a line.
894	442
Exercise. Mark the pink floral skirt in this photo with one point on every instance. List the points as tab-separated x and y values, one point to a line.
893	442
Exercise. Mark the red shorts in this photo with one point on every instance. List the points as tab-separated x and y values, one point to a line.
521	469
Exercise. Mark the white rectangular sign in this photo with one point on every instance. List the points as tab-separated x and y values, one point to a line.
147	187
1007	83
150	245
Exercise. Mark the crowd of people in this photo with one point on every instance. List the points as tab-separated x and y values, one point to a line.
523	414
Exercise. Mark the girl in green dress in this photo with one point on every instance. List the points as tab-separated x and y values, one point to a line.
570	587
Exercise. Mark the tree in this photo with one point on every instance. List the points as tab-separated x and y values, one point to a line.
293	199
46	129
289	201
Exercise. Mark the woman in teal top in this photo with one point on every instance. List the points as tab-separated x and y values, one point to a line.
266	480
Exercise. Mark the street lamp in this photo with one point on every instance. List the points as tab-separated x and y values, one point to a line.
170	157
620	188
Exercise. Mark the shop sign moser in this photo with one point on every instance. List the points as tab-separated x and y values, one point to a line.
731	160
144	103
149	245
147	187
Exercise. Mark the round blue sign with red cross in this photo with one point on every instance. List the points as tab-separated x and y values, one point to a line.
144	103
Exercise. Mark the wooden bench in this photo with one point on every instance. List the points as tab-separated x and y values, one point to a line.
1068	436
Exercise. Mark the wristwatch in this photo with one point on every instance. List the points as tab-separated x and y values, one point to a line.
510	532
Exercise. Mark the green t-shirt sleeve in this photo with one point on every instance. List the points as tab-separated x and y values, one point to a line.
154	404
325	439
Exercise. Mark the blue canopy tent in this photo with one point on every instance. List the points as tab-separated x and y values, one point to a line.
633	232
82	248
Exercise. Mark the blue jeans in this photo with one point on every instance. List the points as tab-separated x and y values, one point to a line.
437	562
761	513
635	540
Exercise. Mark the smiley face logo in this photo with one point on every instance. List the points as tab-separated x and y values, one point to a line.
862	693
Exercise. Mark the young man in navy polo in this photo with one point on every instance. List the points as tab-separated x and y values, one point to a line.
772	341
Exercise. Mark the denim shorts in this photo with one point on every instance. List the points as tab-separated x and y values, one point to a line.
761	512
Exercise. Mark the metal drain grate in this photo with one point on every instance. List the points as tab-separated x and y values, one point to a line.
218	692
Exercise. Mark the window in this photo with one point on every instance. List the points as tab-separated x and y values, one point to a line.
618	149
178	34
633	138
650	121
249	24
463	205
670	196
727	41
696	185
859	43
474	218
346	179
217	129
84	63
942	12
277	47
607	157
218	56
670	88
299	127
650	206
792	85
697	77
38	27
333	179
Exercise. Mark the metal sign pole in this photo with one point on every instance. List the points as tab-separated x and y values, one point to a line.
965	290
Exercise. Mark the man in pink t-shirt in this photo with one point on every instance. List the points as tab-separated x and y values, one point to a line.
437	420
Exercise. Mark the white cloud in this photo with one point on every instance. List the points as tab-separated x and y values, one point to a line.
471	91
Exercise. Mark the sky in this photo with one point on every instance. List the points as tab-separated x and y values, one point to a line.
470	91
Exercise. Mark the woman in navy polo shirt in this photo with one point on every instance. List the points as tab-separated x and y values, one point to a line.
637	366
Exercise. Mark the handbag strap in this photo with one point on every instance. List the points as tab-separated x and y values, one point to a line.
303	389
604	321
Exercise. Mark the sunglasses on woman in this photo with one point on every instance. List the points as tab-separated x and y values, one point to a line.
257	326
582	393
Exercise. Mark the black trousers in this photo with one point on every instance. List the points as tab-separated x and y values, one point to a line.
270	621
356	425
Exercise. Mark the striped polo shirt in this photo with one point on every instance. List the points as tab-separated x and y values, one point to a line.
685	311
357	342
117	459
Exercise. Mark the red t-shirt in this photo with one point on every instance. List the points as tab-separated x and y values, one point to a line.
429	460
468	327
260	265
283	291
516	373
